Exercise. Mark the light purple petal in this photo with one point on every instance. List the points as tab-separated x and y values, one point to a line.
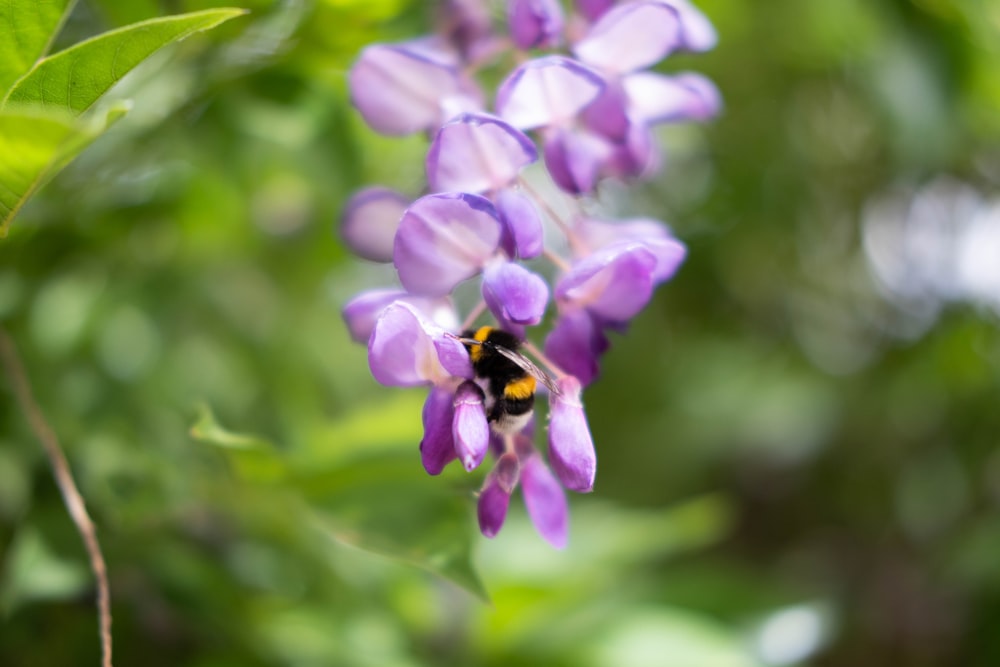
401	353
523	233
514	294
477	153
669	252
437	449
547	91
697	32
492	507
361	312
614	283
656	98
593	9
631	36
400	89
370	219
444	239
575	159
638	157
470	429
507	471
545	501
576	344
535	23
571	449
607	115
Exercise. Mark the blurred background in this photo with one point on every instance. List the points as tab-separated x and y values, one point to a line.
798	441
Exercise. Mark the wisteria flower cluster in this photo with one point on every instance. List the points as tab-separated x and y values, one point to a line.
588	112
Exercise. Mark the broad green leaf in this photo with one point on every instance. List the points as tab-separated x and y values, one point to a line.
254	459
387	505
34	145
76	78
28	28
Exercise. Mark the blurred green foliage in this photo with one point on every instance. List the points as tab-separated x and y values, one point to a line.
798	465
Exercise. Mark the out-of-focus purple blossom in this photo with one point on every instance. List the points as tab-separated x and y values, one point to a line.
477	153
535	23
362	311
697	32
631	36
468	26
547	91
657	98
492	507
545	501
523	236
613	283
470	431
653	234
444	239
369	223
593	9
576	158
576	343
571	449
401	89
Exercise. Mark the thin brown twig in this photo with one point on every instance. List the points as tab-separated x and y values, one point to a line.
64	480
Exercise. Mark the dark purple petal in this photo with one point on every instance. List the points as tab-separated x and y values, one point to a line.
575	159
437	449
545	501
514	294
607	115
576	344
523	233
467	25
547	91
638	157
444	239
492	507
571	449
361	312
535	23
593	9
631	36
370	220
507	471
614	283
669	252
477	153
401	353
400	89
697	32
470	430
656	98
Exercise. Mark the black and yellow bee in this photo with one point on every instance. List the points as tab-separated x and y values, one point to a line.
508	378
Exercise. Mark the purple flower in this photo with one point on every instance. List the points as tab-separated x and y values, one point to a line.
470	430
571	449
548	91
369	223
477	153
535	23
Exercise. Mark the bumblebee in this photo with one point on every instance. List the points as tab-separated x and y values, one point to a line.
508	378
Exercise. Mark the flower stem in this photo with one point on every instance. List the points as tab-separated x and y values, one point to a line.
474	315
21	387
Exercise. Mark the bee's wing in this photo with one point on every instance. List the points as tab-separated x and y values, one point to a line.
529	368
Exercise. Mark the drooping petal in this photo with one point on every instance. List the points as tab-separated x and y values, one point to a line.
657	98
477	153
437	448
637	157
576	344
370	219
535	23
614	283
444	239
631	36
571	448
400	89
361	312
547	91
492	507
400	352
669	251
575	159
467	25
514	294
470	430
607	115
507	471
545	501
697	32
523	234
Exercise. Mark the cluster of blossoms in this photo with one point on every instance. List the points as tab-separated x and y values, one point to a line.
592	114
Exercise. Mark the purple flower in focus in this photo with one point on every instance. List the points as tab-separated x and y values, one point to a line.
590	116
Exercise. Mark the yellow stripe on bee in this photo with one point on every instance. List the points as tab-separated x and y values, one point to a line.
519	389
476	351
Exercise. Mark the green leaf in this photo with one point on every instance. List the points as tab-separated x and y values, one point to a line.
254	459
34	145
28	27
387	505
76	78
